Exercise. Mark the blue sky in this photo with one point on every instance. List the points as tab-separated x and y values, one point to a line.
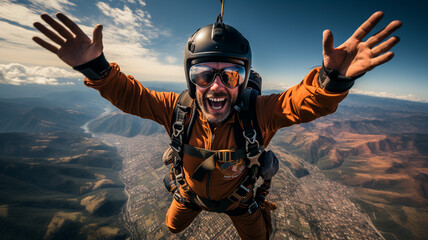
147	38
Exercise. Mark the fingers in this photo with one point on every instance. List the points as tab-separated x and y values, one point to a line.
385	46
46	45
98	35
368	25
327	41
58	27
381	59
48	33
384	33
70	24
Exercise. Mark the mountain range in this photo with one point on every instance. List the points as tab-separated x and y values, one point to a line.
379	147
56	182
59	185
59	182
125	125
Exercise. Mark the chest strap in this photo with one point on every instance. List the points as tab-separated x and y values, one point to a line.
222	156
211	157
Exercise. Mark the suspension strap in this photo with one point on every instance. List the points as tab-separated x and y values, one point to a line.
250	136
178	122
220	16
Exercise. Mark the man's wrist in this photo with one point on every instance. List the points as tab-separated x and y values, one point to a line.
95	69
331	80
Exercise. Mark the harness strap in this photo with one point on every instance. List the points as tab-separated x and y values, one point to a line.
187	203
251	134
205	167
222	156
250	146
178	120
222	205
251	206
177	128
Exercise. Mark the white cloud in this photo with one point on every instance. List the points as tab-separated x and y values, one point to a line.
276	84
18	74
16	35
127	36
119	16
126	42
170	59
18	13
58	5
16	46
142	3
26	15
409	97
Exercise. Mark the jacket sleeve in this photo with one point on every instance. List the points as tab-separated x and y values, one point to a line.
302	103
130	96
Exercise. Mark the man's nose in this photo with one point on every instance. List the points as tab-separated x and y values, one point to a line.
217	84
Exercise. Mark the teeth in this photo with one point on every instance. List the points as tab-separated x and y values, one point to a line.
217	99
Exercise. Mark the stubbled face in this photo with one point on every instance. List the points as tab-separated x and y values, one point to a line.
216	101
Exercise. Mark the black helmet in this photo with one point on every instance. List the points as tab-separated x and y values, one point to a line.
216	42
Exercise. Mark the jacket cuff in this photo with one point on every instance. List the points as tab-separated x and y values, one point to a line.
332	81
95	69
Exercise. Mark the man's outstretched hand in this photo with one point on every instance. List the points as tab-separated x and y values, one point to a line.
75	47
355	57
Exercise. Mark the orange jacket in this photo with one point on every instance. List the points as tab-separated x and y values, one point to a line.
301	103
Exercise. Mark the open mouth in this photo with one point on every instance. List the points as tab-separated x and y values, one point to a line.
216	103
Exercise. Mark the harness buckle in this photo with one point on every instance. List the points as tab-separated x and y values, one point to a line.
177	136
254	160
252	147
251	137
245	190
240	193
253	207
224	156
177	129
176	142
185	187
234	197
178	197
178	174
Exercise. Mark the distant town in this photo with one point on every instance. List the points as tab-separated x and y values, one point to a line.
311	207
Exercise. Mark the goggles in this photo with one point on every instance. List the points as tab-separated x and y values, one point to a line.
204	76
